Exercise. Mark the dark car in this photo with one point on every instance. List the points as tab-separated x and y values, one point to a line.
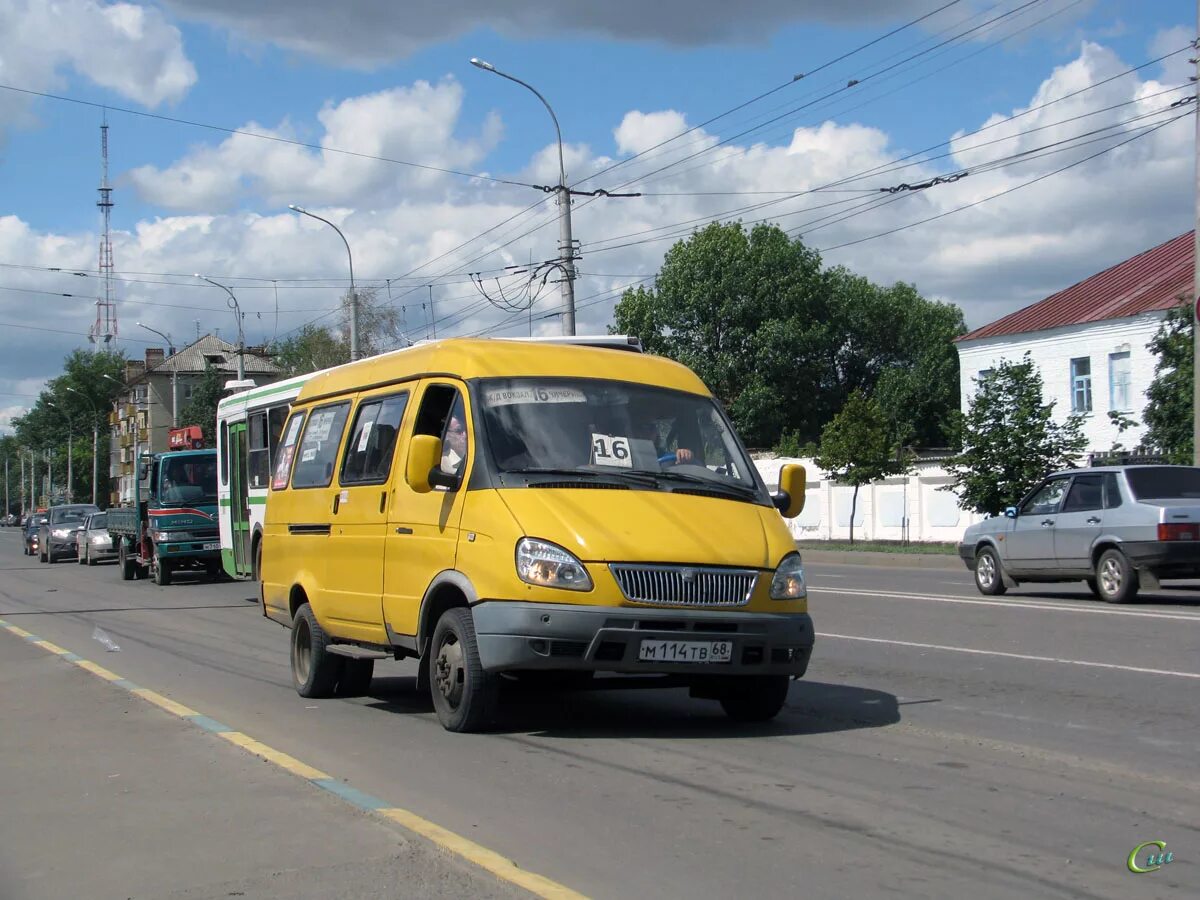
29	540
56	536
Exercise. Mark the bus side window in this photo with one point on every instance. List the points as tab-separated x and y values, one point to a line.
258	463
224	442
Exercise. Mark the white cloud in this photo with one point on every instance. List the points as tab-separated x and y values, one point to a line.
415	123
129	49
1176	69
989	259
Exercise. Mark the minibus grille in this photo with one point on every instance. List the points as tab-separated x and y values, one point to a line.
684	585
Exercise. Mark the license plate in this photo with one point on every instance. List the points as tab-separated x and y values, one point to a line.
686	651
212	546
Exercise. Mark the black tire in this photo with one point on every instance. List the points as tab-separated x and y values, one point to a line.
81	557
1116	579
989	577
90	560
160	569
256	561
42	556
128	566
464	695
754	698
1093	587
355	680
315	671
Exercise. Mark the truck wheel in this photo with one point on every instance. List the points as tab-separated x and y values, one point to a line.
987	573
128	566
1115	577
754	698
315	671
160	569
464	695
356	676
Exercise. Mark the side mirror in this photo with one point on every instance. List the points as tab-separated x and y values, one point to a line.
1010	512
424	455
789	499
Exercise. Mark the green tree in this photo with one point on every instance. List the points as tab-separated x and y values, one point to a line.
312	348
857	448
201	409
73	403
1168	414
1010	439
316	347
783	343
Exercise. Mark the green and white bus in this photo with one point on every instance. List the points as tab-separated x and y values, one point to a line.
248	428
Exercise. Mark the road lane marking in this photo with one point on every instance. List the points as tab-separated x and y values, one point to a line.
1014	603
176	709
490	860
1007	655
290	763
464	848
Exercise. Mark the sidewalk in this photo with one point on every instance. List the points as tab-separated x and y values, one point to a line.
102	795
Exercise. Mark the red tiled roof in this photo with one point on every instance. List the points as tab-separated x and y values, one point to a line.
1146	282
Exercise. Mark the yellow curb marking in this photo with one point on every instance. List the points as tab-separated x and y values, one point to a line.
19	632
97	670
53	648
481	856
289	763
162	702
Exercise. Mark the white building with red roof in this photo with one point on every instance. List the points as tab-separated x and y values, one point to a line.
1091	341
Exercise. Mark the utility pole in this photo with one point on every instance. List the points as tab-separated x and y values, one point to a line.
237	311
1196	271
7	509
355	353
432	313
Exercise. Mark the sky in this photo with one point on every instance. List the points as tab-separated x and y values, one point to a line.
803	113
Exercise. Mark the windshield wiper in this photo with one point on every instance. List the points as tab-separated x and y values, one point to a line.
738	489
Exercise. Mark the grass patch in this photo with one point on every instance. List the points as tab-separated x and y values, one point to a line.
947	549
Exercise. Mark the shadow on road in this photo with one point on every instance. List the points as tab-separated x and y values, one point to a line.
1145	598
640	708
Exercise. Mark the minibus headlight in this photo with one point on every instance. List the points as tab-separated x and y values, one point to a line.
788	583
549	565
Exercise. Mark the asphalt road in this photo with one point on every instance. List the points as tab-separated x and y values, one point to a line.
942	744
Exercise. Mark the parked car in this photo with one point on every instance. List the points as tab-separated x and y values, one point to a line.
93	543
1119	528
56	535
33	524
9	521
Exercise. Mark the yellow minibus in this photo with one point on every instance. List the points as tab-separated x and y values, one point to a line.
509	510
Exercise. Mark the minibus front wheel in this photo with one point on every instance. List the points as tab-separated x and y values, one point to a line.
464	695
754	698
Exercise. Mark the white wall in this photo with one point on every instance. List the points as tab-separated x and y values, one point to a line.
912	507
1052	351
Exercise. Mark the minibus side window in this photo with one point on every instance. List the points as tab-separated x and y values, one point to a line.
368	455
283	464
276	416
319	446
443	415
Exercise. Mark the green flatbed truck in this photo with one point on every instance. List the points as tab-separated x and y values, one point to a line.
172	524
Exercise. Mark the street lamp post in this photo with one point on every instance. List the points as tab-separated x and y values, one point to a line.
95	436
70	449
566	243
174	373
354	351
237	311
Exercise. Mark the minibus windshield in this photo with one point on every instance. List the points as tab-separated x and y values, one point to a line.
591	428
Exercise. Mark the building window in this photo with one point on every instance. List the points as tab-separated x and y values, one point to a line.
1081	384
1119	376
985	375
186	390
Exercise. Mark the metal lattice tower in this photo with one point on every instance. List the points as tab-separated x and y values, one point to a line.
104	329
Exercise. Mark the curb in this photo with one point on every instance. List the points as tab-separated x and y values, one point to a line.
884	560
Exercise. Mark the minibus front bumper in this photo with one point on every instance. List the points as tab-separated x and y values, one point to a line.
523	636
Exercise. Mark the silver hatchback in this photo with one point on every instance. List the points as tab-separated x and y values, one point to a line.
93	542
1119	528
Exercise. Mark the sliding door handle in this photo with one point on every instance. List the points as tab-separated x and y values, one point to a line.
402	530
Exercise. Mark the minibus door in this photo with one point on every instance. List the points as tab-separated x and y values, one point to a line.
422	534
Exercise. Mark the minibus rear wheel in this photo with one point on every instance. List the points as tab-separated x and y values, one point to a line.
464	695
754	698
315	671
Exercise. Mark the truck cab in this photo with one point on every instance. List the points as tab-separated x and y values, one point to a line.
173	524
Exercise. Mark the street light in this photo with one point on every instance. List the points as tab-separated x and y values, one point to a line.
174	373
237	311
566	245
70	448
354	352
95	435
